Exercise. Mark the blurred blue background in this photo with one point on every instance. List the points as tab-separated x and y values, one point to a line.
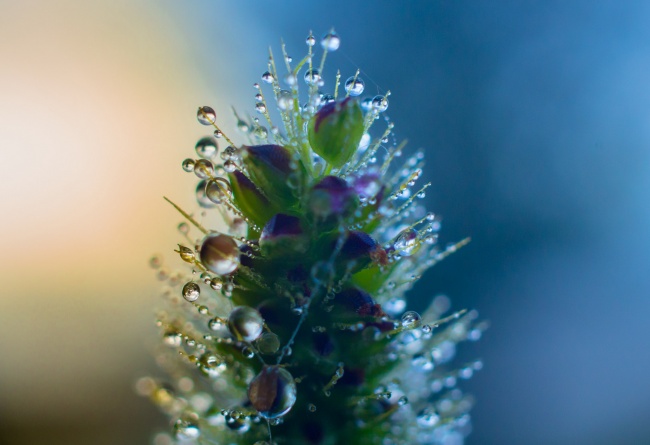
535	117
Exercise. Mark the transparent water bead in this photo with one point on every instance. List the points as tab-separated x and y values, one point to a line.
214	193
212	365
245	323
172	339
186	429
411	319
191	291
312	76
330	41
311	40
285	100
354	87
188	165
427	418
267	77
206	115
268	343
272	392
219	254
406	242
203	168
206	147
380	103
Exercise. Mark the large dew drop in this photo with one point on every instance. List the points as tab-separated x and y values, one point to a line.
354	86
219	254
206	116
406	242
380	103
191	291
268	343
245	323
206	147
203	169
285	100
411	319
272	392
330	41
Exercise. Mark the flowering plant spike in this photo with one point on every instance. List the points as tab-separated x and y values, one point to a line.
289	327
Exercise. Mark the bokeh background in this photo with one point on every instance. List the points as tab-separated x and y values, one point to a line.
535	116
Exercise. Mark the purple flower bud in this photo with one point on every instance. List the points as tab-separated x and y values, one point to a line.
283	235
361	246
360	302
331	197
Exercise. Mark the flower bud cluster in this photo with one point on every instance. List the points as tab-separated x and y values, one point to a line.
291	327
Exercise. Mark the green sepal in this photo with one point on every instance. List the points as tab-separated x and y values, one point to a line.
270	168
335	131
250	200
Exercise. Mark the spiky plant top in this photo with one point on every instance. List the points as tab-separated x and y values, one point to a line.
291	327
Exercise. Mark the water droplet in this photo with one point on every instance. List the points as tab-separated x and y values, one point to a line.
188	165
290	79
172	339
229	166
311	40
406	242
285	100
203	168
427	418
311	408
237	424
366	104
411	319
191	291
380	103
216	284
214	193
218	134
426	329
186	429
183	228
312	76
212	365
272	392
354	87
268	77
330	41
247	352
245	323
403	401
219	253
260	107
206	147
206	116
203	310
268	343
217	324
260	132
